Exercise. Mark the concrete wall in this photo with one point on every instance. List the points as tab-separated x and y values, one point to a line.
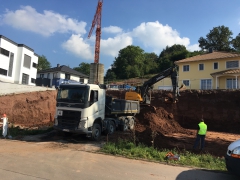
10	88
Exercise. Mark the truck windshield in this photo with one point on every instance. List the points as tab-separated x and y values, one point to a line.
72	94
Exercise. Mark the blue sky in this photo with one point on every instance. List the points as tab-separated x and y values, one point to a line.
58	29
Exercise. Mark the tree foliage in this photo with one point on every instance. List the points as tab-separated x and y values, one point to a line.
236	43
171	54
219	38
43	63
83	68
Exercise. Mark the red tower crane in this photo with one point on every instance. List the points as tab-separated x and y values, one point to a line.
97	20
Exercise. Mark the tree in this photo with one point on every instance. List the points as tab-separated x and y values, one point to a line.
129	63
83	68
110	76
43	63
236	43
219	38
171	54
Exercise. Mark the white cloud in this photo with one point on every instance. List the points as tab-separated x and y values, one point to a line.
194	47
76	45
112	29
111	46
47	23
156	36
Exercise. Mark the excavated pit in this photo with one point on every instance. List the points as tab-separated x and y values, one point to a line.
170	125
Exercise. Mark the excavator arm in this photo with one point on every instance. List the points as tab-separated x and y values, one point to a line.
142	92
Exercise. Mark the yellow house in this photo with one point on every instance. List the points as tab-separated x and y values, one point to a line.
213	70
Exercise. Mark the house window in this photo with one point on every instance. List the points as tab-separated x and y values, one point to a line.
231	84
41	75
67	76
81	80
3	72
206	84
10	67
4	52
186	82
33	80
48	75
34	65
27	61
186	68
215	65
232	64
25	78
201	67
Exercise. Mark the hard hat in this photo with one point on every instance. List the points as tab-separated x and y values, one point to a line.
4	115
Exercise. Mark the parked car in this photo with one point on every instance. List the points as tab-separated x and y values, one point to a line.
232	158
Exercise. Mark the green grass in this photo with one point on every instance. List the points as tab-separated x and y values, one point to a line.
130	150
16	131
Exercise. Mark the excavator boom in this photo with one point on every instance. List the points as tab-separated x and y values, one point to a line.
142	93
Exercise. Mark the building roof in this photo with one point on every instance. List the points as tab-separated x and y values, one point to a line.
226	72
65	69
210	56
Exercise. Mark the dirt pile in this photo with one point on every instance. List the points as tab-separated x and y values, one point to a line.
35	109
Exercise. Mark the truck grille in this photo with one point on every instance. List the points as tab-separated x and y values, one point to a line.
69	119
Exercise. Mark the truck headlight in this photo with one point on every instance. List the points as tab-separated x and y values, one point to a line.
55	121
83	123
236	152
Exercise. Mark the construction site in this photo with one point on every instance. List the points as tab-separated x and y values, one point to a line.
170	125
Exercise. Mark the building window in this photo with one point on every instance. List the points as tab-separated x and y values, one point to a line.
4	52
232	64
206	84
48	75
54	75
27	61
186	82
67	76
10	67
81	80
33	80
231	84
25	78
3	72
41	75
186	68
215	65
201	67
34	65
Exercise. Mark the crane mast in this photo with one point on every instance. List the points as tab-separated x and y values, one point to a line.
97	21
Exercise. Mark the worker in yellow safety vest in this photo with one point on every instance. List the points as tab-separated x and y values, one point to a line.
201	133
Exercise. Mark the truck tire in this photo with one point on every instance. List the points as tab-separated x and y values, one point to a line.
111	128
96	132
124	126
131	123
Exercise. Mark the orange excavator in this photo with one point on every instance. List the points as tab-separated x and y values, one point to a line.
142	94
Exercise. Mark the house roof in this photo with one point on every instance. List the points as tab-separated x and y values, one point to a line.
210	56
65	69
226	72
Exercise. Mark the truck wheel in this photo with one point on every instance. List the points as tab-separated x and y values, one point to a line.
111	128
96	132
131	123
124	127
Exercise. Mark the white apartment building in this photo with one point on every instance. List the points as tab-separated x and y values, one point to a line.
18	62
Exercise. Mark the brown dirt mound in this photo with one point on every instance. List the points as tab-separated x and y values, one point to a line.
160	121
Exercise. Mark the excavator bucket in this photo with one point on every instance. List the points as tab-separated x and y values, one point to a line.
152	108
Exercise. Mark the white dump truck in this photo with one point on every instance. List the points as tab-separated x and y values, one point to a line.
85	109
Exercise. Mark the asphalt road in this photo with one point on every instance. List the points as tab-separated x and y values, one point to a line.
56	160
